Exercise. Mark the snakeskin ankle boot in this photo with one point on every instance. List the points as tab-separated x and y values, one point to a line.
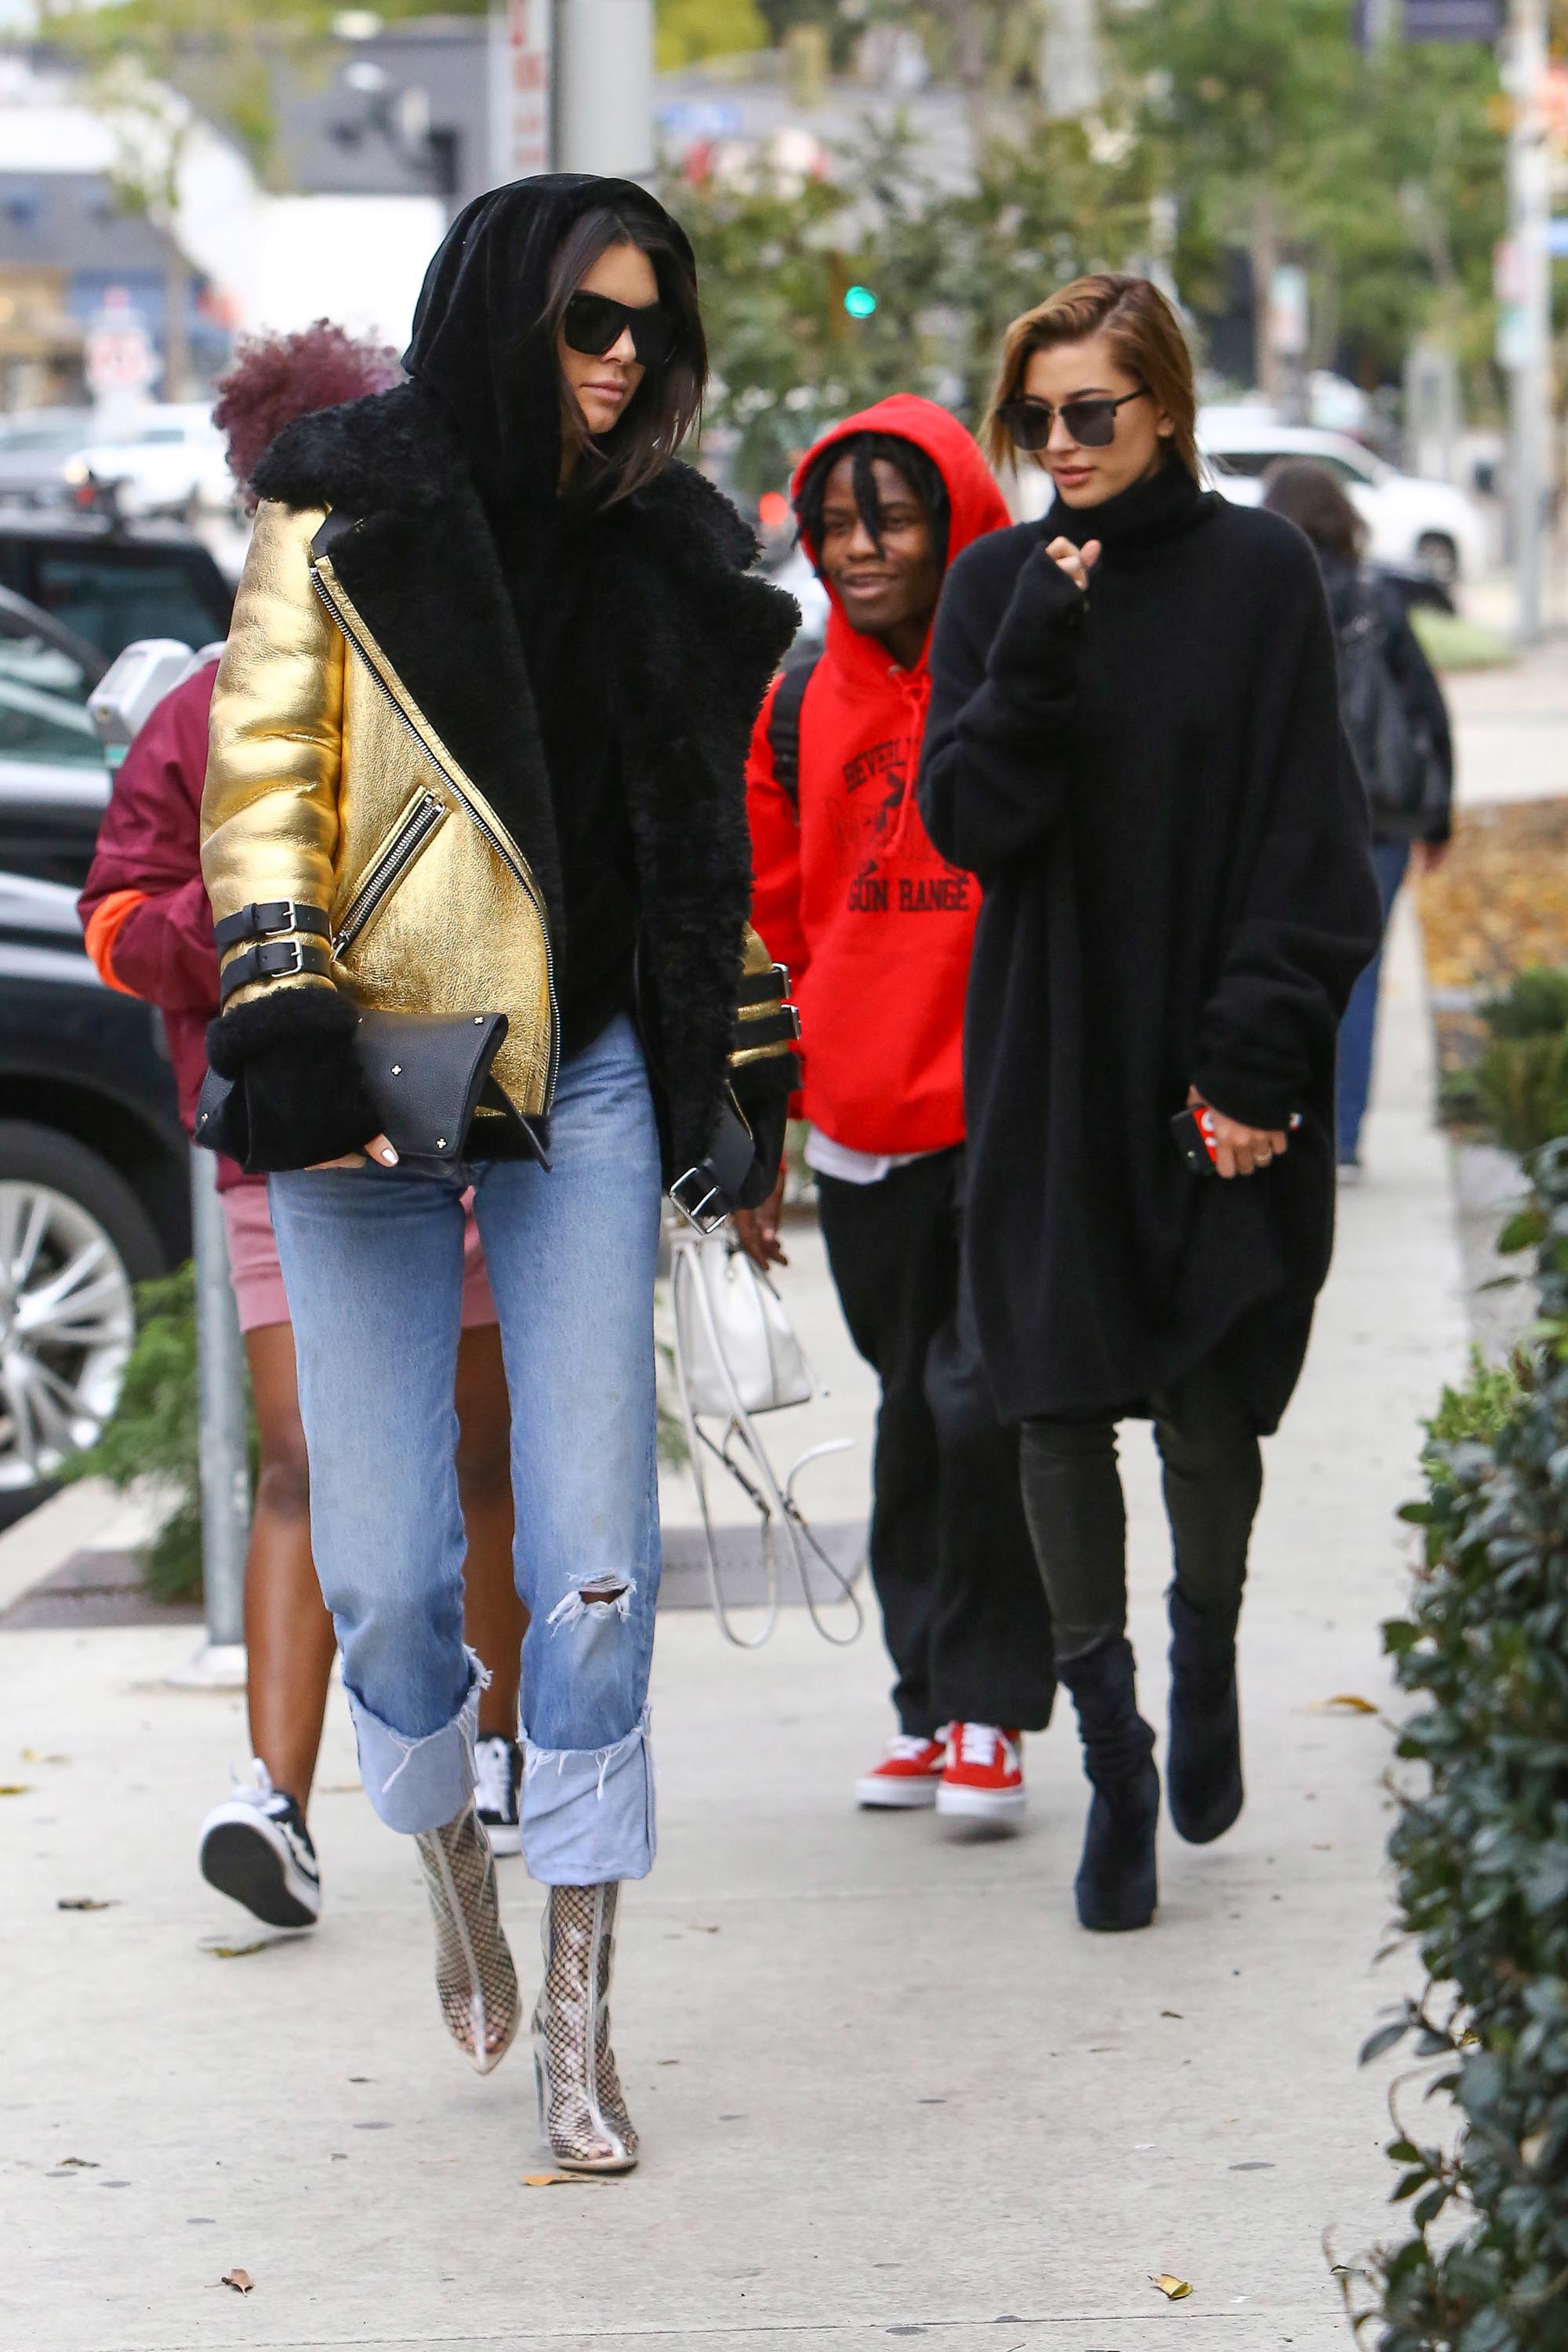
582	2110
475	1979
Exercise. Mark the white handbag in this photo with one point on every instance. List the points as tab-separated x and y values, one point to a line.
737	1345
736	1355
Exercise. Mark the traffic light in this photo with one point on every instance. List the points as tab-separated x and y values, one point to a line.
859	301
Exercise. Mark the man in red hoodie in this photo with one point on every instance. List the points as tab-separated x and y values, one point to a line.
877	929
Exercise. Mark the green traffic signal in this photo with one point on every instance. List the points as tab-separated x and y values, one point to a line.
859	301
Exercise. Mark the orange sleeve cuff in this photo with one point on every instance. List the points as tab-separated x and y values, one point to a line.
104	926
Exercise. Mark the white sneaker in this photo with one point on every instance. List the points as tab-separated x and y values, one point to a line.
257	1849
498	1780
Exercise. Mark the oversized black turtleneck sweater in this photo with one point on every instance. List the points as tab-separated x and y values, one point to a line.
1153	784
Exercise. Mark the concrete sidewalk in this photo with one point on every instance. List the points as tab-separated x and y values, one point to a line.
887	2087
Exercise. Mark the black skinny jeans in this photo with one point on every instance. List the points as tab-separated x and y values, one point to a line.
963	1614
1072	1493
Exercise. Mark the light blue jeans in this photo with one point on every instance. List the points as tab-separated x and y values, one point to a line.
372	1262
1358	1030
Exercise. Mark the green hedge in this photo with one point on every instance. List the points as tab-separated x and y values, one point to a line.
1482	1851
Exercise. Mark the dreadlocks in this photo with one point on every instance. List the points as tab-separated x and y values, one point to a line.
922	475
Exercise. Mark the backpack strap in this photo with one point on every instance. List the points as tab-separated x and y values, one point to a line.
784	728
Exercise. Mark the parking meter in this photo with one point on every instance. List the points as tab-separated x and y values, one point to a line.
133	685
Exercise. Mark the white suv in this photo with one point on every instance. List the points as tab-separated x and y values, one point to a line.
1413	524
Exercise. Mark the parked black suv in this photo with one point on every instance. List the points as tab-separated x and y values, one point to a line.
111	581
94	1184
94	1181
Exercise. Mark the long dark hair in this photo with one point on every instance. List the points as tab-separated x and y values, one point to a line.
667	404
1308	495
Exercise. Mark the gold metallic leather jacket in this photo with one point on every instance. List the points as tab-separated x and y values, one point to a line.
329	788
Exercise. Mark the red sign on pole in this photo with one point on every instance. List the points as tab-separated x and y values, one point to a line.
521	129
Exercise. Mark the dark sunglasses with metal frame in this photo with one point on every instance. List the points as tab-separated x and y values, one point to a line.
594	323
1092	423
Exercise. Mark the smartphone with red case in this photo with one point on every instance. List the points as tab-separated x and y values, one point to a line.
1192	1132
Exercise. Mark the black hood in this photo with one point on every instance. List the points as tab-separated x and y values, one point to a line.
479	344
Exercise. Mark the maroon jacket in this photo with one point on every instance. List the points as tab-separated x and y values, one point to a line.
149	927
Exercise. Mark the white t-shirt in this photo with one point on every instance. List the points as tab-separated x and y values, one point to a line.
830	1159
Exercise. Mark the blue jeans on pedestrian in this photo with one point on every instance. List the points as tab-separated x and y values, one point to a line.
1358	1030
372	1262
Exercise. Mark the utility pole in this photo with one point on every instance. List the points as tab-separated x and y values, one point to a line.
1525	326
603	87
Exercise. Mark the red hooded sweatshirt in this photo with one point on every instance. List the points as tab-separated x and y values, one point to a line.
875	926
144	908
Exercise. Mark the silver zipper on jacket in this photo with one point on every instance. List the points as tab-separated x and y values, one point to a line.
519	873
389	864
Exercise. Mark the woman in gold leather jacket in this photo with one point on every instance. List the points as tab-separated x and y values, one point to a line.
478	748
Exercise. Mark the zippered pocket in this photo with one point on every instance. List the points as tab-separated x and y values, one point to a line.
388	865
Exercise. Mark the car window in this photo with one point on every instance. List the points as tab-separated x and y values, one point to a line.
111	604
1344	470
26	441
1254	463
162	433
43	701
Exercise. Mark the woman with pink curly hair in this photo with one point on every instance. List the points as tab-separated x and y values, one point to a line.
149	932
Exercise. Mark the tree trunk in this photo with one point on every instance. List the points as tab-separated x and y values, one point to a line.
1265	255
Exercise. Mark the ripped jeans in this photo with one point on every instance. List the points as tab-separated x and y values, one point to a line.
373	1261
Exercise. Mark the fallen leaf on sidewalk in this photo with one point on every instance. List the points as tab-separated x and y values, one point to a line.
1172	2013
241	2281
1347	1701
86	1903
1173	2289
553	2180
15	1787
31	1756
78	2164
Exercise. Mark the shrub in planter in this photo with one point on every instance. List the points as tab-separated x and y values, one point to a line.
1482	1850
153	1433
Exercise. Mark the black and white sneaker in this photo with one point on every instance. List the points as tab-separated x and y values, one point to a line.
256	1848
498	1781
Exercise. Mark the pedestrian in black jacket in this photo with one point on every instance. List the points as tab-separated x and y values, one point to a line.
1414	825
1134	743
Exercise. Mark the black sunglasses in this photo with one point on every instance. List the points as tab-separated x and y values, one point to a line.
594	323
1092	423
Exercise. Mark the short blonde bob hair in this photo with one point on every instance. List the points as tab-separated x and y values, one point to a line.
1144	333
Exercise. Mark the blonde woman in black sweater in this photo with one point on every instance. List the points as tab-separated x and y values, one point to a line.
1134	743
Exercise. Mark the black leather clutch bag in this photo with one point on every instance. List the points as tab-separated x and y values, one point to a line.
427	1075
428	1079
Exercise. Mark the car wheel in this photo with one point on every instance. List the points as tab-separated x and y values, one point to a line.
74	1240
1438	555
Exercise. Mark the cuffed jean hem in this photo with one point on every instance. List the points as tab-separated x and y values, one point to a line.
587	1814
419	1784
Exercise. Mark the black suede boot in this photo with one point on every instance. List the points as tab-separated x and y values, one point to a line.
1116	1885
1203	1767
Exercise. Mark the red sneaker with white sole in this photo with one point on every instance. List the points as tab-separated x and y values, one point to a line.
909	1775
984	1781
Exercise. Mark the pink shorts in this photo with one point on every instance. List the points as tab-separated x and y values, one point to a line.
259	1279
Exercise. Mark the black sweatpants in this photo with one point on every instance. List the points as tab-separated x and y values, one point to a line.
1072	1491
964	1611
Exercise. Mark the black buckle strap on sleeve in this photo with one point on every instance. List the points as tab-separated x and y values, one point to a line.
272	959
780	1028
706	1194
265	919
769	987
